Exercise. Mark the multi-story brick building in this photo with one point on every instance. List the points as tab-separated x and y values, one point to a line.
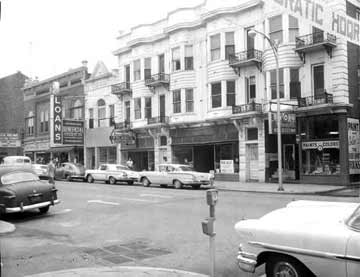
101	109
197	87
11	114
38	142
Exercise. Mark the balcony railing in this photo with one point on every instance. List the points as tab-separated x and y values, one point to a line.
125	125
158	79
245	108
121	88
315	38
319	99
158	120
251	54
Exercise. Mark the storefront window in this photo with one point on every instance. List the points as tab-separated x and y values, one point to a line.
183	155
224	154
107	155
325	162
320	127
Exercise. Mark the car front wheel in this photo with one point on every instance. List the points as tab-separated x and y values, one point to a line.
112	180
90	179
44	210
177	184
285	266
130	183
145	182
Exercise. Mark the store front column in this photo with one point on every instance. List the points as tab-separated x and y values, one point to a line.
118	154
261	155
96	157
344	150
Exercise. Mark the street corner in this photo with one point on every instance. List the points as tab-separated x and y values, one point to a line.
124	271
6	227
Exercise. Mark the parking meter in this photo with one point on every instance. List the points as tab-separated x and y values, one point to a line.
211	197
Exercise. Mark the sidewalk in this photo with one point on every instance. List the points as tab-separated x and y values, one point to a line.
291	188
6	227
123	271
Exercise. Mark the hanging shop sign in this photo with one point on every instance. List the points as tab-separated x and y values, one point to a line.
73	132
118	136
226	166
320	145
288	123
57	119
354	145
10	140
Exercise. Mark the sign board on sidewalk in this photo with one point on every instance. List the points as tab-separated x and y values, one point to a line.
226	166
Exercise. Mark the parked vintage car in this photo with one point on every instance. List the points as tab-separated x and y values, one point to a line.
306	238
41	170
112	173
22	161
70	171
22	190
178	175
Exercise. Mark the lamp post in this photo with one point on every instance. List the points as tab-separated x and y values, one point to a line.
274	47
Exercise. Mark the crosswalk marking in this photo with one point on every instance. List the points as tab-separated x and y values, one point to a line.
103	202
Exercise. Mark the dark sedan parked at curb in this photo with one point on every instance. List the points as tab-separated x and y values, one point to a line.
70	171
22	190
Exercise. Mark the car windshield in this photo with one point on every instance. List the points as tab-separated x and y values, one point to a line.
122	167
354	220
185	168
17	177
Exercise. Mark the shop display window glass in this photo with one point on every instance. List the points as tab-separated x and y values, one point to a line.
227	152
183	155
320	127
321	162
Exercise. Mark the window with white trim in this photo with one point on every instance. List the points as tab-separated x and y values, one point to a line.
137	70
216	95
293	28
147	68
229	44
273	83
137	108
101	113
230	93
30	124
147	107
177	101
176	64
215	47
189	58
275	28
189	99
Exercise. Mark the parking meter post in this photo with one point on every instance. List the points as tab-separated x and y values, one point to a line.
212	255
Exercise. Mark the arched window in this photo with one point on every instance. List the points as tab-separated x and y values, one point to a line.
76	109
101	113
29	122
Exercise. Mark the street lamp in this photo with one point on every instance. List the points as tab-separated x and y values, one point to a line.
274	47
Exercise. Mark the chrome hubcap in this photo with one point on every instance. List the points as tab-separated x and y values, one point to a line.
284	269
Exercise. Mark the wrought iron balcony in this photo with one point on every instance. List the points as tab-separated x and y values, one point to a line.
315	42
319	99
245	108
125	125
246	58
158	120
121	88
159	79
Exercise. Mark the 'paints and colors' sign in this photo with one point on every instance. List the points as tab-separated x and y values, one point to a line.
354	145
57	120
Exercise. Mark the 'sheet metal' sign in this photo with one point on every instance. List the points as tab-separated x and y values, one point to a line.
73	132
57	119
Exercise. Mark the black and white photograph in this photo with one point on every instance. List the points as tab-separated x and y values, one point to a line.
180	138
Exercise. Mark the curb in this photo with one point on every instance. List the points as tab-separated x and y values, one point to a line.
125	271
6	227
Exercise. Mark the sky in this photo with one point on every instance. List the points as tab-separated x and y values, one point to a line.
43	38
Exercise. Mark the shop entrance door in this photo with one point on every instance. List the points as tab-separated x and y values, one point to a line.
204	158
289	161
252	160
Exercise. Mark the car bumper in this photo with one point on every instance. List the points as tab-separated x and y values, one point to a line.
77	176
31	207
129	179
246	262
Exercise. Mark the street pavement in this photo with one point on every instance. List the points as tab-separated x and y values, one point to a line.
111	226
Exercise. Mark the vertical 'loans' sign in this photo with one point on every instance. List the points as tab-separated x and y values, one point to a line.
57	120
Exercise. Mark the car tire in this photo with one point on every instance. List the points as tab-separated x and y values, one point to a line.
196	186
112	180
178	184
145	181
130	183
68	178
44	210
163	185
281	264
90	179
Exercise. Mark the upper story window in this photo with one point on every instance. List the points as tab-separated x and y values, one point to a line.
101	113
230	93
76	109
229	44
273	83
147	68
275	28
44	121
137	70
127	111
147	107
295	88
91	118
189	58
112	115
176	64
189	99
293	28
318	79
137	108
215	47
357	14
29	122
250	89
177	101
216	95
